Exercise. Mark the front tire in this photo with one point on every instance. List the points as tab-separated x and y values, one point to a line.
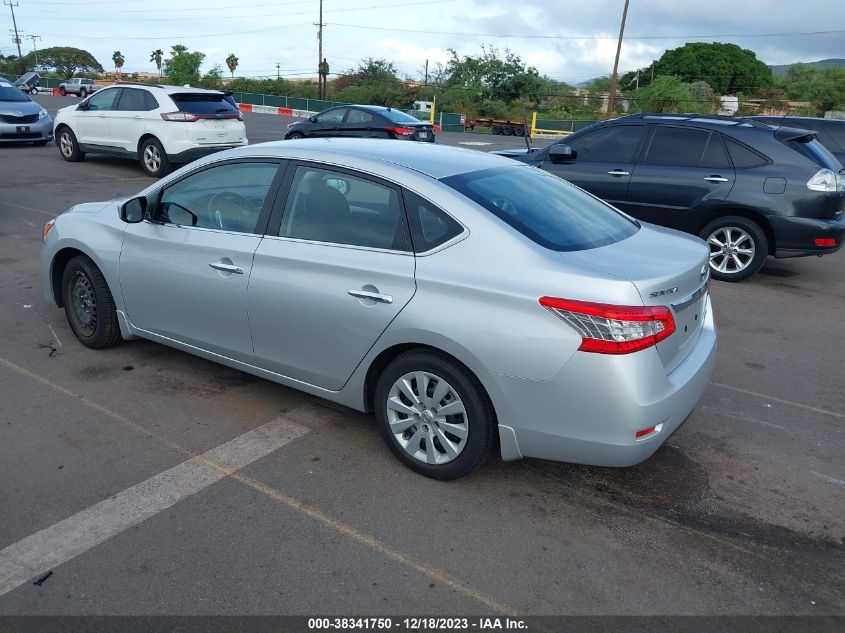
295	136
89	305
154	159
434	414
738	247
69	146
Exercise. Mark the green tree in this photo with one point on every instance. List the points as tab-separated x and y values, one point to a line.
665	94
374	81
495	76
178	49
156	56
117	58
65	60
213	78
232	63
184	68
726	67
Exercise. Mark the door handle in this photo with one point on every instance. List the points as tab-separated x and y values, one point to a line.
715	179
228	268
619	172
373	296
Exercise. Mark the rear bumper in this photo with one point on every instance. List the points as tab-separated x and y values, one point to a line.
39	131
193	153
795	237
590	412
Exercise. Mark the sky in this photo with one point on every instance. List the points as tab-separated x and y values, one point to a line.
567	40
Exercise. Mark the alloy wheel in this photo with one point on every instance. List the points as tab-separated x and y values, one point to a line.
152	158
732	249
427	417
66	144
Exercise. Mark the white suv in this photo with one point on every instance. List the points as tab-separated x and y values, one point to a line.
159	125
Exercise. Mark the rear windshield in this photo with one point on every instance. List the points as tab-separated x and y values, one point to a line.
397	116
544	208
816	152
204	104
8	93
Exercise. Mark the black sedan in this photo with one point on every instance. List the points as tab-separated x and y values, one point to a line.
363	121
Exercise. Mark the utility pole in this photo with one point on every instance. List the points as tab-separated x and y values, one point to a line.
12	6
35	47
611	97
277	70
426	72
321	82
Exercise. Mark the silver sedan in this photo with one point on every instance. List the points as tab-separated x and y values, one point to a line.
475	304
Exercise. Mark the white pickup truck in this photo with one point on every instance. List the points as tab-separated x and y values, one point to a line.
79	87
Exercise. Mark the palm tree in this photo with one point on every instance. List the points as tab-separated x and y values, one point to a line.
117	58
232	63
156	57
178	49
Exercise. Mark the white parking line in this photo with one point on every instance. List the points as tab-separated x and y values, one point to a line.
79	533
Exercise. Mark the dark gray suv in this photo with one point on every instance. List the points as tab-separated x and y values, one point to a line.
747	188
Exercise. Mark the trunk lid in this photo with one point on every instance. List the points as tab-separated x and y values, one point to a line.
216	131
668	268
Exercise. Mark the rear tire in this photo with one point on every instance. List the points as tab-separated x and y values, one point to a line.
738	247
63	92
89	305
154	159
496	129
460	440
69	146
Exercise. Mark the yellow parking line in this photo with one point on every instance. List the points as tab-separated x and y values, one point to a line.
277	495
798	405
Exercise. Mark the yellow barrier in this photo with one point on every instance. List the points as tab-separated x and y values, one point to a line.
540	131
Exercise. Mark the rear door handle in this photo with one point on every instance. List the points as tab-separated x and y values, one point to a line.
619	172
228	268
373	296
715	179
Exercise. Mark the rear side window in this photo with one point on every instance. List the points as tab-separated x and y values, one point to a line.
677	146
544	208
742	156
359	116
397	116
612	144
204	103
135	100
715	154
430	227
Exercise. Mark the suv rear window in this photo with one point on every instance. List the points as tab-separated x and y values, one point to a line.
201	103
544	208
815	151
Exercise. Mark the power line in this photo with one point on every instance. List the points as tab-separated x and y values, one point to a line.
582	37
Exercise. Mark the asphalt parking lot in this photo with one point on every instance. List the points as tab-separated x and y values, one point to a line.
741	512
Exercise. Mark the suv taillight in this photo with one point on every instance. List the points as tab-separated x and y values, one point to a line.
826	180
612	329
179	116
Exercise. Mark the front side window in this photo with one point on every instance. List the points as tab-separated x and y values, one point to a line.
229	197
104	100
612	144
544	208
334	115
335	207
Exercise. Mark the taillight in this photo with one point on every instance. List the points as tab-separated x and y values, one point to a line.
612	329
826	180
402	131
825	241
179	116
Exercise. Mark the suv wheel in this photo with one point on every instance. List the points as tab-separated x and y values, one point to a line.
434	414
738	248
68	145
154	158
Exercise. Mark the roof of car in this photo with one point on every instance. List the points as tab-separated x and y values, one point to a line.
431	159
166	88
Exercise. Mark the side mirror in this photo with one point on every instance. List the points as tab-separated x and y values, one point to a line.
82	106
134	210
561	153
313	118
